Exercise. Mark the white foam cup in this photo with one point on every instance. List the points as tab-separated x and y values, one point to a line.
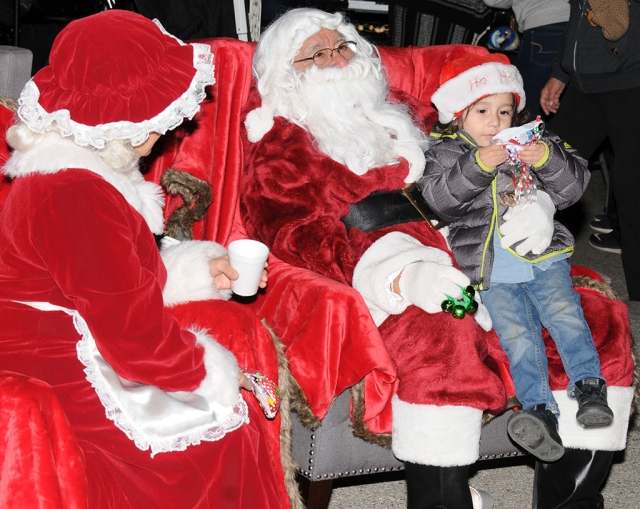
247	257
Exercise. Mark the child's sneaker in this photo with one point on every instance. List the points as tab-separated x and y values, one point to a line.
536	431
593	411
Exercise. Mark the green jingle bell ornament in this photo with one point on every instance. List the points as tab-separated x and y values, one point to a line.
459	311
459	308
447	306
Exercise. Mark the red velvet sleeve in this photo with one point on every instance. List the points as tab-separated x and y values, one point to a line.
104	259
288	202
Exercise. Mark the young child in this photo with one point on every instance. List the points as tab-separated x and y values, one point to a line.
527	286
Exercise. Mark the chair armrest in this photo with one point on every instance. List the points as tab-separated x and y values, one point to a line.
330	338
332	451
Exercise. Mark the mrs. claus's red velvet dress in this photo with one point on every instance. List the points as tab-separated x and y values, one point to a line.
70	238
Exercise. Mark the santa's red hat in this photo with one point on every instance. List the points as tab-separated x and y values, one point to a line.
470	78
116	75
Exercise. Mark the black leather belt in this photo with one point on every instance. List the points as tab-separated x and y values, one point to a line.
386	208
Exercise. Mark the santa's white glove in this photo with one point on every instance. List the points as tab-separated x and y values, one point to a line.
482	314
427	284
530	222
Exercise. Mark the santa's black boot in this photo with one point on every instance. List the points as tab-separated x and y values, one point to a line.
573	482
430	487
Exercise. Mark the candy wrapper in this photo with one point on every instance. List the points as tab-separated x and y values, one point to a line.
514	140
266	392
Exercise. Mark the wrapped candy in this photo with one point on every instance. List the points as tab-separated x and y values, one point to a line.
514	140
266	392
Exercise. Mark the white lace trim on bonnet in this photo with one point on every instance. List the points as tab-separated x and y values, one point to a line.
186	106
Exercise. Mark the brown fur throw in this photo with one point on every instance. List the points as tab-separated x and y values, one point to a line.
195	193
288	386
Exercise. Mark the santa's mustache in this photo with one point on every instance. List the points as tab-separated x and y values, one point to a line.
357	83
358	67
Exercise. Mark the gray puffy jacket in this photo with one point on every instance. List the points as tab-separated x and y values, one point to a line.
467	196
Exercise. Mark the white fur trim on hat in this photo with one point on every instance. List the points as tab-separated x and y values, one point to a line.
464	89
258	123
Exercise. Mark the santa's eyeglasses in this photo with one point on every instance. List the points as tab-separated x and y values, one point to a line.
323	57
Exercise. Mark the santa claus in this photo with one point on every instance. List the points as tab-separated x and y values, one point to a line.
325	136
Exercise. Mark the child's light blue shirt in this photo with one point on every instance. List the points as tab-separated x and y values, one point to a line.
508	268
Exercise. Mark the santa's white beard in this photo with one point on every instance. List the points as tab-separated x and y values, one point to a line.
347	113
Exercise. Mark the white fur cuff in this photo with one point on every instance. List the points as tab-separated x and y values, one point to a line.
444	436
611	438
389	255
221	383
188	274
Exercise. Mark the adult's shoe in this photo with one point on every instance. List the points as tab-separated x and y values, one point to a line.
481	499
601	224
605	242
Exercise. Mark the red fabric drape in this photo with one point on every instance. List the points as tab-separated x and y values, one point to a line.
209	146
41	463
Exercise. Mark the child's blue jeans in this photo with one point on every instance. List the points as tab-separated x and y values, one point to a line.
520	310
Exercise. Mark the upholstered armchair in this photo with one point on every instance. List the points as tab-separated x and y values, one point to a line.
320	323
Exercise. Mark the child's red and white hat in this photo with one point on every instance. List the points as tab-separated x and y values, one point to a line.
468	79
116	75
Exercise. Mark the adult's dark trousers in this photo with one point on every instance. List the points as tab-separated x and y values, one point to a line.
572	482
537	50
584	121
431	487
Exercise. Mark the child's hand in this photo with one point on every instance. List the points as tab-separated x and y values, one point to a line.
533	154
492	155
